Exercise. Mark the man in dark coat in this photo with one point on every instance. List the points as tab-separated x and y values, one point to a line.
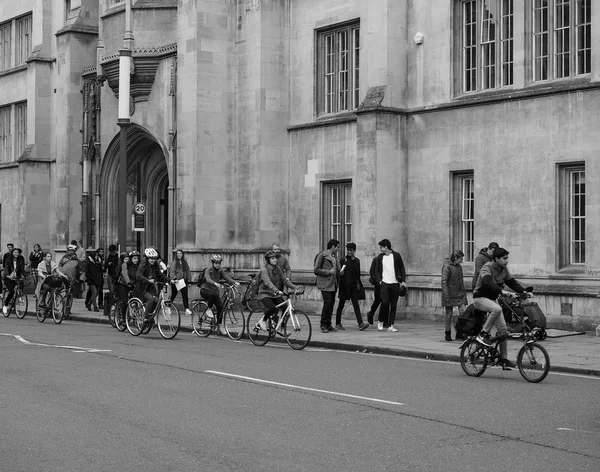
350	287
391	274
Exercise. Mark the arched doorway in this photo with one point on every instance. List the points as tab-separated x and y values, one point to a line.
147	182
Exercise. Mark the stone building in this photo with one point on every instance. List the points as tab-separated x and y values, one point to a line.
437	124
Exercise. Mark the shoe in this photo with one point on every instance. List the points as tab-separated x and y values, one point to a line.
448	336
506	364
262	325
96	308
380	325
89	307
370	318
222	331
323	330
331	329
391	329
363	326
188	311
209	314
339	327
5	310
484	338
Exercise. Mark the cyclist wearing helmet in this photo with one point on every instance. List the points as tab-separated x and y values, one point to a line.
147	274
270	288
210	288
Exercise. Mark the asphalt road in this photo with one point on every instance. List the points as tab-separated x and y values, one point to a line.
83	397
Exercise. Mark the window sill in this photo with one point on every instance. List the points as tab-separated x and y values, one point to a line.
572	270
326	120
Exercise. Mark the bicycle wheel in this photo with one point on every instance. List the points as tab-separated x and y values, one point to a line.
533	362
168	320
57	308
201	322
257	336
21	304
473	358
68	304
4	293
119	317
40	312
297	330
111	313
134	316
234	322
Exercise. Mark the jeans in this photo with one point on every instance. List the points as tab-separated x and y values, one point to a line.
376	299
494	318
10	285
328	303
213	299
389	302
91	296
355	305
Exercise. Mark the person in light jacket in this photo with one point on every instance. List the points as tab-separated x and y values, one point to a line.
180	270
454	293
327	270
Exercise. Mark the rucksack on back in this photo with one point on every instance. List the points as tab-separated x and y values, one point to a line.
201	278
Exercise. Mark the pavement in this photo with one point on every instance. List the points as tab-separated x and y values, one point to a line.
571	352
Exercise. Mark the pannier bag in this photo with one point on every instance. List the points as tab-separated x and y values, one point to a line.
536	317
470	322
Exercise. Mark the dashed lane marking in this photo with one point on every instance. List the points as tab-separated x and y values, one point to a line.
72	348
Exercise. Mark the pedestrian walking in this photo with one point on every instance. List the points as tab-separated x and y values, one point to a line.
95	280
484	256
454	293
351	287
180	278
100	289
35	257
376	292
390	273
327	270
110	266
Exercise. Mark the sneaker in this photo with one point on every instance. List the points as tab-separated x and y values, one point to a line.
222	331
262	325
363	326
391	329
506	364
209	314
484	338
370	318
188	311
339	327
331	329
380	325
323	329
5	310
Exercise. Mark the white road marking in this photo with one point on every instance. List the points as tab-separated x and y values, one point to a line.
578	430
299	387
73	348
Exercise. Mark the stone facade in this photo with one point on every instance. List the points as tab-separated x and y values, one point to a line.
230	151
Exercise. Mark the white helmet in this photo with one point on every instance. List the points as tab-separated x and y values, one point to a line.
71	247
150	252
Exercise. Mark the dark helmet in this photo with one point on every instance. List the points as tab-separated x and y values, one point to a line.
270	254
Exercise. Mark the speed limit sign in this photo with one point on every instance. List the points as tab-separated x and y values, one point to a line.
139	209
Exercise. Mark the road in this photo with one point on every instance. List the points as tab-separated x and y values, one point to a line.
83	397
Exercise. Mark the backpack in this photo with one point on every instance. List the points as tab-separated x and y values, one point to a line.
252	290
470	322
201	278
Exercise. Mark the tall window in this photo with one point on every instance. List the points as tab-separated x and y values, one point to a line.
562	39
5	45
337	212
572	215
487	44
23	39
5	134
463	213
21	128
338	66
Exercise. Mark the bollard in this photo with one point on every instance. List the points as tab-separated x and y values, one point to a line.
107	302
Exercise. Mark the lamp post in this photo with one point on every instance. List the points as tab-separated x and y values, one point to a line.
123	121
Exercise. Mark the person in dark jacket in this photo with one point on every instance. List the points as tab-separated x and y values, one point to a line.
453	289
127	275
376	292
390	273
35	257
491	279
95	280
210	288
147	274
110	266
485	255
327	270
350	287
14	272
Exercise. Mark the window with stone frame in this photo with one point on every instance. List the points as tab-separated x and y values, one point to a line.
572	215
20	128
484	35
23	39
462	210
338	67
561	38
5	134
336	212
5	45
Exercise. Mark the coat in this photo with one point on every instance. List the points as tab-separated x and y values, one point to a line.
9	266
324	262
453	286
481	259
272	279
398	268
93	272
145	272
350	279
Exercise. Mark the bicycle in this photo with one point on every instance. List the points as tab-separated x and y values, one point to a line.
19	300
67	294
297	329
249	299
55	305
532	360
115	313
204	320
166	315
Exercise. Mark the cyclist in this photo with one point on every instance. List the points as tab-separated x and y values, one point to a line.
127	275
69	264
270	289
14	271
149	272
211	285
48	274
489	285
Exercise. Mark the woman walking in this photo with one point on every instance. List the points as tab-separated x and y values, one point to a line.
35	257
180	276
95	280
453	288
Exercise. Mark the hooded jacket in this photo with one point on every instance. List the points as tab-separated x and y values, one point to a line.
453	286
481	259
